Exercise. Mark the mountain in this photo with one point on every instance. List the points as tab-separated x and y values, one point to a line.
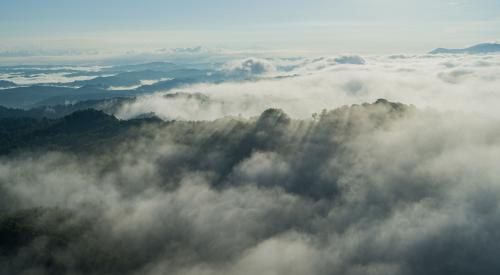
155	66
109	106
82	131
121	79
23	97
7	84
36	96
477	49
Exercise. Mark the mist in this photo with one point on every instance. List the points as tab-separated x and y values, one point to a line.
381	188
302	87
232	137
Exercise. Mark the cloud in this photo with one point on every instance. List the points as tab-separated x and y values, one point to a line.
262	168
31	75
233	187
302	87
380	188
454	77
350	59
250	66
44	78
141	83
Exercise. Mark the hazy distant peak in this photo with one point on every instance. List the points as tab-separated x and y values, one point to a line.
476	49
6	84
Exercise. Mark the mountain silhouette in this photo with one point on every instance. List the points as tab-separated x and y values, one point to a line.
476	49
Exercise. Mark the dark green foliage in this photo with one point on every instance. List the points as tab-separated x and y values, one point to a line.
82	131
61	110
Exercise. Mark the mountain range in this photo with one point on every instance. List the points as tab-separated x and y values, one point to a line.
476	49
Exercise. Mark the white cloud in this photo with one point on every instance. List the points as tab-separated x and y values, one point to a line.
141	83
49	74
425	81
250	66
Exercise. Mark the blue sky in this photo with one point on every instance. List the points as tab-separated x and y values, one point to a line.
317	25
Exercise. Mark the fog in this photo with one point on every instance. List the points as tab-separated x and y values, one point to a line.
301	87
381	188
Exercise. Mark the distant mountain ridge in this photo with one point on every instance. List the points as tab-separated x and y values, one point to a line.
7	84
476	49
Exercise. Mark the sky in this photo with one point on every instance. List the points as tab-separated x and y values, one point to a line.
360	26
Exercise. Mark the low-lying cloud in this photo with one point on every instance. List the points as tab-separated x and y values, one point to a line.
304	87
249	67
276	175
370	189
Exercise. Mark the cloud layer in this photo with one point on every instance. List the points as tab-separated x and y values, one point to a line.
379	188
302	87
